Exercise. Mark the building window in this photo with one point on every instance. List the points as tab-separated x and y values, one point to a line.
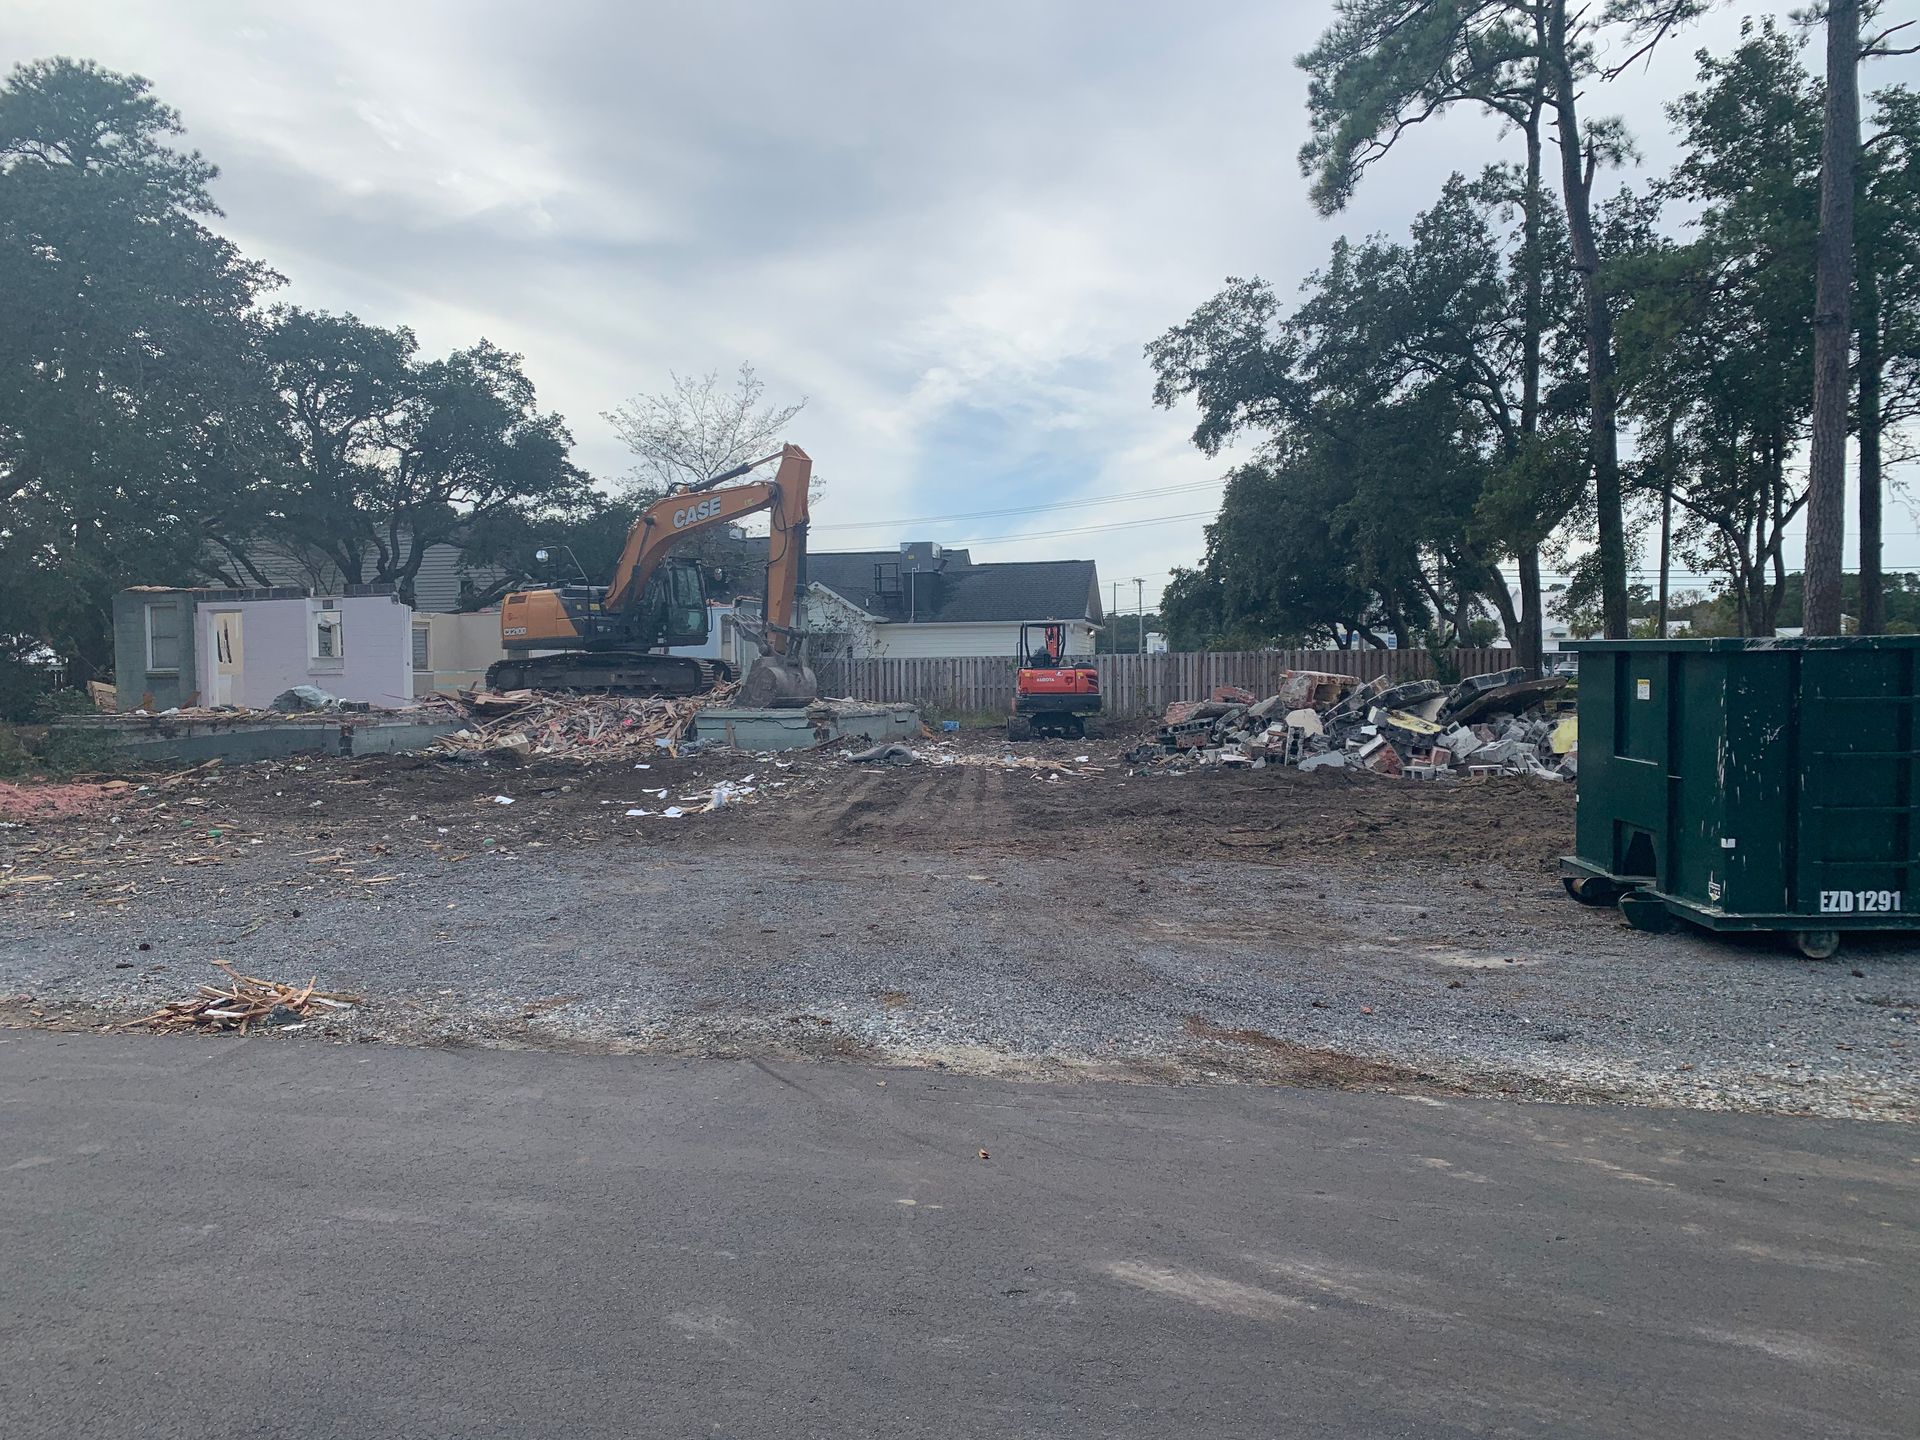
726	637
327	638
163	638
421	648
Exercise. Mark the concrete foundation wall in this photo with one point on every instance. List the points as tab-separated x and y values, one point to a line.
796	730
191	742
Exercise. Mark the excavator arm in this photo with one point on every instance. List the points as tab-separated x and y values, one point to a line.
685	513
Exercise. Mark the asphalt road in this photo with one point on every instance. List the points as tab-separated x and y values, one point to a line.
228	1238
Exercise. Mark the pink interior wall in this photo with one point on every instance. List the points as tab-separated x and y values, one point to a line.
376	646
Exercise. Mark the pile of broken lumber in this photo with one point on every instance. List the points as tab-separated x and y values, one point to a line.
243	1002
530	722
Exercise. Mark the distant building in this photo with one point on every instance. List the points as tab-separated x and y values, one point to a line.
925	600
446	581
1554	625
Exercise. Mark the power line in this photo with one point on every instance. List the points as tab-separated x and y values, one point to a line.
1080	503
1079	530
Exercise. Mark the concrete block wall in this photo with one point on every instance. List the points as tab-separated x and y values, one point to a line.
376	651
132	680
276	650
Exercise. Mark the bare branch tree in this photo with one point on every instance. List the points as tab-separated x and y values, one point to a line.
1877	47
698	427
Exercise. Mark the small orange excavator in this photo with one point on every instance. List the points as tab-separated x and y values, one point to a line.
1052	695
608	636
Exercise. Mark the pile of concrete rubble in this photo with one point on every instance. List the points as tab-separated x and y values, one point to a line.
1498	724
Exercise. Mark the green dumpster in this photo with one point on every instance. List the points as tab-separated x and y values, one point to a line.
1750	784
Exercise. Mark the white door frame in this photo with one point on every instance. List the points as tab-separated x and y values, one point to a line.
215	694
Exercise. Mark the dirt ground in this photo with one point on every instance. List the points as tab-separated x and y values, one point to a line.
386	805
1048	914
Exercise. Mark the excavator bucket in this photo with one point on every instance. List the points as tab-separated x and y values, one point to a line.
778	682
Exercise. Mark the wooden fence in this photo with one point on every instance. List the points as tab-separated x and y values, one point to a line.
1130	684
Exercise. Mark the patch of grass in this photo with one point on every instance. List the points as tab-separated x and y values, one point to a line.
969	719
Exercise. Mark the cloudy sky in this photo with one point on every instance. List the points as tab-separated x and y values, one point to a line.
951	227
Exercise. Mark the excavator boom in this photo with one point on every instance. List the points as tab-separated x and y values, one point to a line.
676	517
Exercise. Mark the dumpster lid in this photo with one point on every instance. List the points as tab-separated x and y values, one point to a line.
1748	643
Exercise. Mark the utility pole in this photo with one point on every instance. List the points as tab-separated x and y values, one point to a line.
1666	534
1140	610
1832	325
1666	522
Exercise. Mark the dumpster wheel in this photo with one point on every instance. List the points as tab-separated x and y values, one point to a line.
1817	944
1592	889
1646	912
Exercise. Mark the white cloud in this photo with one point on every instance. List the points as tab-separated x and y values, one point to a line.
923	218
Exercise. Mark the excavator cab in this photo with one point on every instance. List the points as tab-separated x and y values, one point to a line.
677	595
1045	645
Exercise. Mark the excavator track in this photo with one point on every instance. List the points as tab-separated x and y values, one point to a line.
612	672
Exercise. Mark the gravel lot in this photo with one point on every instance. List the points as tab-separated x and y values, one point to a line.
1312	929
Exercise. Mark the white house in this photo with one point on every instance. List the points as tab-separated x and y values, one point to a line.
209	646
923	600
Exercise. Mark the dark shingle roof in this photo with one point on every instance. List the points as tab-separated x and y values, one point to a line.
436	587
966	592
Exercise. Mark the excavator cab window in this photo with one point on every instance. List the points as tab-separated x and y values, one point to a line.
686	597
1043	647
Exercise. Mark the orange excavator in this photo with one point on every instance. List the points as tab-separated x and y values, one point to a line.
1053	694
609	637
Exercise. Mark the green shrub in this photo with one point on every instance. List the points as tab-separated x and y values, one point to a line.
15	758
23	684
80	750
57	704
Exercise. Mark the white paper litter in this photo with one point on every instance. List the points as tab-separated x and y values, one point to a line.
503	800
639	812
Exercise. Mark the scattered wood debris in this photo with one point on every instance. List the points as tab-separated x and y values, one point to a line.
528	722
246	1001
1000	760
